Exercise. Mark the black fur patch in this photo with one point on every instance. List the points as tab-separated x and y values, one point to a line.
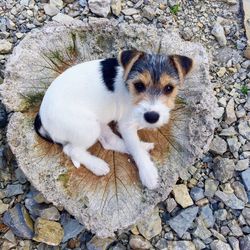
156	65
38	125
109	72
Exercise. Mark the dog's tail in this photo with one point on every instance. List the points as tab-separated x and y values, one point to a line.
40	130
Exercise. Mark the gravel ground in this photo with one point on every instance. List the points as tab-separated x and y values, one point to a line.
209	207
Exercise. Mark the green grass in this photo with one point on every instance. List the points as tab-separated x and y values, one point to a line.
244	90
175	9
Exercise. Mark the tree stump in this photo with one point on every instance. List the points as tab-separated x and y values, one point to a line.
118	200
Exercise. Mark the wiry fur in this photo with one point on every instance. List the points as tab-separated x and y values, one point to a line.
80	103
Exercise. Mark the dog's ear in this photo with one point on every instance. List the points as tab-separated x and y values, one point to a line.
127	58
183	64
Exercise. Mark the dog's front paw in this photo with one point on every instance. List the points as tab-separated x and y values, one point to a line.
149	176
100	168
148	146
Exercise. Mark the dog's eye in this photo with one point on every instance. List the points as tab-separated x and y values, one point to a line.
168	89
140	87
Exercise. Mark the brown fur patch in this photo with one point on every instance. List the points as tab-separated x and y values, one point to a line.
169	100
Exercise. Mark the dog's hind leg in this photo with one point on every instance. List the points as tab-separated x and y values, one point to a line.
110	140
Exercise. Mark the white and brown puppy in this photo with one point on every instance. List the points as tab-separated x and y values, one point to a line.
137	90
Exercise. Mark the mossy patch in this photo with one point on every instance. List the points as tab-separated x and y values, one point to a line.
64	179
32	100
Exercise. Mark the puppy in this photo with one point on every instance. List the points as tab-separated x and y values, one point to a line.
137	90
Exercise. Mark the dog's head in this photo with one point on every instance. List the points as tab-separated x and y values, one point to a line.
153	81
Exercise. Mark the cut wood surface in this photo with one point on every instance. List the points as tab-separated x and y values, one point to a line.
117	200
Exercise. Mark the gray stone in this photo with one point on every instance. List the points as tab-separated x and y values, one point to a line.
223	169
211	186
71	227
57	3
181	222
63	19
181	245
234	146
197	193
230	200
20	176
206	215
219	245
138	242
50	213
246	214
53	175
161	244
3	207
130	11
217	235
228	132
5	46
219	34
245	175
234	243
220	214
171	204
218	146
201	231
51	9
198	244
19	221
13	189
247	104
242	165
182	196
151	226
235	228
148	12
245	243
244	129
100	7
240	191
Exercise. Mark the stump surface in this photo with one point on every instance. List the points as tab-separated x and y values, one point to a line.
118	200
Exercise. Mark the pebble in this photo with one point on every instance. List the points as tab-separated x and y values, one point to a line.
246	214
181	245
217	235
18	219
3	207
130	11
51	9
161	244
171	204
151	226
206	215
98	243
223	169
244	129
13	189
245	175
116	7
234	243
221	72
71	227
220	214
181	222
148	12
201	231
235	228
228	132
182	196
99	7
230	200
242	165
50	213
234	146
197	193
48	232
219	245
57	3
211	187
230	113
240	191
245	242
5	46
219	34
138	242
218	146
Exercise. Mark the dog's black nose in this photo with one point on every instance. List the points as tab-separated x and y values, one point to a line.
151	117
